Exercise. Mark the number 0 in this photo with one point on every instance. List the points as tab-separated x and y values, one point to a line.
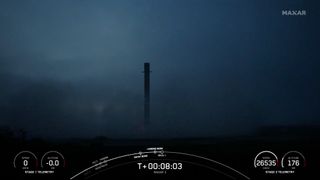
25	163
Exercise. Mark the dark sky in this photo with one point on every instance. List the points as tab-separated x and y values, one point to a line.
219	67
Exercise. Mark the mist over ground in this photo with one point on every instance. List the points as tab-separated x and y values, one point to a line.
74	68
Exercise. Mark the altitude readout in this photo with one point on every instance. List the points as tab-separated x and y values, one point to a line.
52	160
293	160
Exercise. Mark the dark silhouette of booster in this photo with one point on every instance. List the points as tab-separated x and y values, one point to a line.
146	93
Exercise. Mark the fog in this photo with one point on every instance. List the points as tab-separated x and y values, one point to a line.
74	68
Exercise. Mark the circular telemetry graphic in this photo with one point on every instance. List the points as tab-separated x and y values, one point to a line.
52	160
293	160
265	160
25	160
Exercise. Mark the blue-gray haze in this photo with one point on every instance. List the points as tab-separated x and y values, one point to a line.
73	68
